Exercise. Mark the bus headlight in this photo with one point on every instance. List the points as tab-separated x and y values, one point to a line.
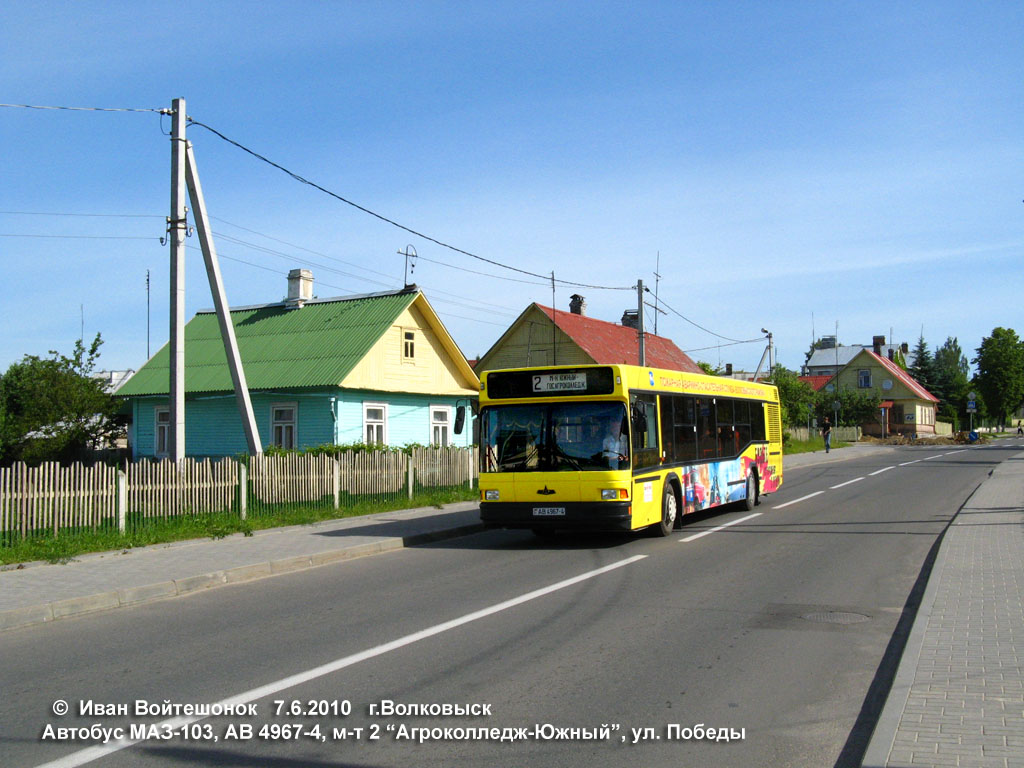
612	494
491	495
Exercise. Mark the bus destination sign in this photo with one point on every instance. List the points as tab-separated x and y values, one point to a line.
560	382
564	382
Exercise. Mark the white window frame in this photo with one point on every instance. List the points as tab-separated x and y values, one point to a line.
293	423
864	378
161	426
445	425
408	345
383	423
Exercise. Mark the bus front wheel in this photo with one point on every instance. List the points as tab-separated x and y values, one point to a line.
669	512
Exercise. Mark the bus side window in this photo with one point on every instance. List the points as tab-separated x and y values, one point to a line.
757	432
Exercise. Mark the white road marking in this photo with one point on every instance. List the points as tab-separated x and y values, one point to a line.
880	471
848	482
796	501
718	528
94	753
908	463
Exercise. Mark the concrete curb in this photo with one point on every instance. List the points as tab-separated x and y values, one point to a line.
133	596
877	753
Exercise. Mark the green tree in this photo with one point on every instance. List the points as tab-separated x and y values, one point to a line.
856	407
952	382
923	369
795	396
1000	378
709	369
53	409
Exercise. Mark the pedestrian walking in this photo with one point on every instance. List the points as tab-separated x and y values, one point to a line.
826	432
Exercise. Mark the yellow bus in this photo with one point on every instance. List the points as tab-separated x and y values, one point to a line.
621	447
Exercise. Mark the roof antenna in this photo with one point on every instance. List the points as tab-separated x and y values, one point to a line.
408	270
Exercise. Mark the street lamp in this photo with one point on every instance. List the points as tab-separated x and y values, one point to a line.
771	361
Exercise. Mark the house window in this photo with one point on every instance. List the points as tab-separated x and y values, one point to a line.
375	423
440	419
864	378
161	431
408	346
283	418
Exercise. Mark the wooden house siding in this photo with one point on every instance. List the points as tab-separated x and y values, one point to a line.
214	428
529	343
408	417
385	368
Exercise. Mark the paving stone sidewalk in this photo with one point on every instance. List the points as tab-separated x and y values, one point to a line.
958	695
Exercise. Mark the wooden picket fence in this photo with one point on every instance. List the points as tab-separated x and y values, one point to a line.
159	489
43	501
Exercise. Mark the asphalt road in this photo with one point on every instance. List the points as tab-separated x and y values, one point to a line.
786	625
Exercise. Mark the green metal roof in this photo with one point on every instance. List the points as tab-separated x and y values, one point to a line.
317	345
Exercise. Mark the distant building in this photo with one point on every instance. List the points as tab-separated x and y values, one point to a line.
546	336
375	368
831	359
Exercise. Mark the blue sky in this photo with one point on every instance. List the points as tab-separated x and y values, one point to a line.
795	164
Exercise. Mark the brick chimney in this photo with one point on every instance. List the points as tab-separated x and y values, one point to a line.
577	304
630	319
878	342
300	288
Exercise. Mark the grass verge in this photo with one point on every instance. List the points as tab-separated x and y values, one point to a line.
67	545
810	446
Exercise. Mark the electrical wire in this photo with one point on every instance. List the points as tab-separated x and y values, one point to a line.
393	223
83	109
706	330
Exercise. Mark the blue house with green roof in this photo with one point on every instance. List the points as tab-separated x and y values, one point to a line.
375	368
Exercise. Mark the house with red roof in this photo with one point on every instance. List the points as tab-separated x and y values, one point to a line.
907	407
546	336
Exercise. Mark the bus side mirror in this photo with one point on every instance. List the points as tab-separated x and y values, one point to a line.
460	419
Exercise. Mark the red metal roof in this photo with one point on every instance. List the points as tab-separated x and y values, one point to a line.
611	343
903	376
816	382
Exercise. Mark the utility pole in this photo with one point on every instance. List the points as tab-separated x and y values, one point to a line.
657	281
642	354
176	225
220	301
147	315
554	323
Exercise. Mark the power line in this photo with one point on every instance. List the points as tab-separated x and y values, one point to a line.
83	237
93	215
84	109
706	330
393	223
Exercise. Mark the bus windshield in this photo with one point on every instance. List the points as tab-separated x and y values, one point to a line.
554	437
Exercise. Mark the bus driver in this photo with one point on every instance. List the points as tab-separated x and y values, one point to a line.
616	445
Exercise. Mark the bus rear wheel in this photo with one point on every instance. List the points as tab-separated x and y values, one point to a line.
669	512
751	500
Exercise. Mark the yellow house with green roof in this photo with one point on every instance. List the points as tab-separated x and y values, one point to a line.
374	368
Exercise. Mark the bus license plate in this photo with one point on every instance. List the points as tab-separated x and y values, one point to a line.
549	511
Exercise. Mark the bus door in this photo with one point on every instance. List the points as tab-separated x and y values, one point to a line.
643	424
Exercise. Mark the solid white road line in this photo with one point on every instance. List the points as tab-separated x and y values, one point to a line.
718	528
848	482
93	753
797	501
